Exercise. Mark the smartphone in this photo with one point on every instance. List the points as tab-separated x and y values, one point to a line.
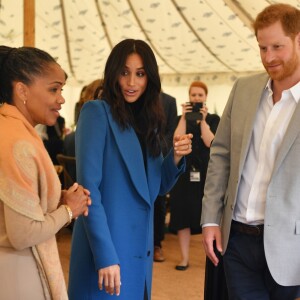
197	106
195	114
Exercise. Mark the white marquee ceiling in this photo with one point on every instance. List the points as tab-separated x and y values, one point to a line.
190	37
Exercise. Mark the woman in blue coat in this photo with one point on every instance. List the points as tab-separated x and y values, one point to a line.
119	160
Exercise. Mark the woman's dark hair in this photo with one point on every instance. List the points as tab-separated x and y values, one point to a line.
151	113
20	64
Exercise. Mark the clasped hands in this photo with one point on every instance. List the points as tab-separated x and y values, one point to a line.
77	198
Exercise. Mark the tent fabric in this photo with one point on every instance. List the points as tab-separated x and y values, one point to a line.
189	37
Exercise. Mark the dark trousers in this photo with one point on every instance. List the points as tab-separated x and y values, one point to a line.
247	273
159	220
215	287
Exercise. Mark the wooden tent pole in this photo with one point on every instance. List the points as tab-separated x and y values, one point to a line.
29	23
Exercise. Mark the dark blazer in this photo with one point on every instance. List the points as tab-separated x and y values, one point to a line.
170	111
69	150
69	144
119	227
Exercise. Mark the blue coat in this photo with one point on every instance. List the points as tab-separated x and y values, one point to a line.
119	228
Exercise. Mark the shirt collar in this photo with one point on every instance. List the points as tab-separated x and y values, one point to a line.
294	90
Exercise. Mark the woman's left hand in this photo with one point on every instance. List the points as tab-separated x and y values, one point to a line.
182	146
109	278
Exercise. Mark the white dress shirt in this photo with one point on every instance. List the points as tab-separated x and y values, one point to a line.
270	125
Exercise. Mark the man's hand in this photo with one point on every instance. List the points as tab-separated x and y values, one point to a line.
211	234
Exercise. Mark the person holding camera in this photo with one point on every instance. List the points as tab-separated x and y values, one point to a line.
186	196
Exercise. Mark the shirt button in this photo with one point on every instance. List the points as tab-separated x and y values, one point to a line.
148	253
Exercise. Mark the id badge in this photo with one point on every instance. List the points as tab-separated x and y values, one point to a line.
195	176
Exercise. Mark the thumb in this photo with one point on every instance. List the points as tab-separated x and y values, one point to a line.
176	138
219	244
73	188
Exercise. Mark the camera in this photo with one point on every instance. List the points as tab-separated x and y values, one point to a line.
195	114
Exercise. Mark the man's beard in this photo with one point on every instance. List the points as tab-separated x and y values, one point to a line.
288	68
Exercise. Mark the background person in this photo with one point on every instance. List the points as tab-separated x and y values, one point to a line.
32	206
170	112
186	196
78	105
119	159
251	205
90	92
54	143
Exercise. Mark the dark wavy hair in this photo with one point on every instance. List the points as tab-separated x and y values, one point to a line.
21	64
152	113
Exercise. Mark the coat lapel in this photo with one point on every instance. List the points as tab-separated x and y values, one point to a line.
254	101
127	141
154	172
292	132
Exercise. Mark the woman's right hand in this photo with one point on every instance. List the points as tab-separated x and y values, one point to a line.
186	107
78	199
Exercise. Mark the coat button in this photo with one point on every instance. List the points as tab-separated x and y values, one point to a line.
148	253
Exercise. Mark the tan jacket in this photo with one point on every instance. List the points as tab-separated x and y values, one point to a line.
29	219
